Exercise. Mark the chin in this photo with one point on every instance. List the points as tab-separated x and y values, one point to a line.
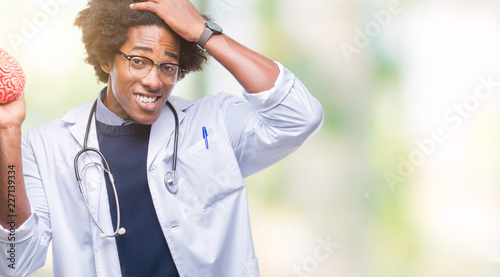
147	120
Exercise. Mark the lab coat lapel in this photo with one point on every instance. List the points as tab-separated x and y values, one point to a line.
79	117
105	250
163	128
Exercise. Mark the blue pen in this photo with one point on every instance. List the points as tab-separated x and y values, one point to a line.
205	135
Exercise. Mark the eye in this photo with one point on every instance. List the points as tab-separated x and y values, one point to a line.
168	69
137	62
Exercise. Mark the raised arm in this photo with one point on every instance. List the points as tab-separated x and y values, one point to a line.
15	207
253	71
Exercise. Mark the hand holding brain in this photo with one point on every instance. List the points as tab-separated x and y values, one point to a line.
12	79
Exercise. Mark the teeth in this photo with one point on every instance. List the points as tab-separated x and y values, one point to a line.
147	100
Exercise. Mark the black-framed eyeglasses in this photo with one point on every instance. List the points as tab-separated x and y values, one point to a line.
140	67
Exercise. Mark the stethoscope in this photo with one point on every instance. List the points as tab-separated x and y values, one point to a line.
169	176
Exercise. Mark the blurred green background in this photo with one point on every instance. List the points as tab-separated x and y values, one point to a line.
402	180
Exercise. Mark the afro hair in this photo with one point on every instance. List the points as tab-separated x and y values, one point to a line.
105	25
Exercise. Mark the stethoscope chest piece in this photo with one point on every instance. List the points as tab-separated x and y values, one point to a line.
170	182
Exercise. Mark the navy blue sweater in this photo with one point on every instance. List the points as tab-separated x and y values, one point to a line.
143	250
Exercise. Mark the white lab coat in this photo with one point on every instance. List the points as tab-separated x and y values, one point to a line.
206	223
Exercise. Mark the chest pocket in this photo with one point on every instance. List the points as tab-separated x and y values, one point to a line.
212	174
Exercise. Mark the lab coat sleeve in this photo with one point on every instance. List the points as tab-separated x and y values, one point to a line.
272	124
24	248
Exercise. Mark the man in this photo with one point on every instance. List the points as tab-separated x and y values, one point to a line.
159	214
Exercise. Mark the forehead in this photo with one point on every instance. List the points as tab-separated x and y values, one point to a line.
152	40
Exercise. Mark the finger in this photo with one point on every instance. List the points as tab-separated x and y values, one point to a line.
144	6
141	1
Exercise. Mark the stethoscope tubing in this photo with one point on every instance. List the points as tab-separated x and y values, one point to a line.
176	137
170	186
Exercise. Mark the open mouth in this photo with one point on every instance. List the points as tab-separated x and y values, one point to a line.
146	99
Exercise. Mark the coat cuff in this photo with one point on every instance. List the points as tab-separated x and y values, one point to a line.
27	229
269	99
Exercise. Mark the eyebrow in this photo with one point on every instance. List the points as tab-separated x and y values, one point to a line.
147	49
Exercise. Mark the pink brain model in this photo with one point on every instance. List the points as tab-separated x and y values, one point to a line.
12	79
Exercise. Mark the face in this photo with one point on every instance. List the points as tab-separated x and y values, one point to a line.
141	99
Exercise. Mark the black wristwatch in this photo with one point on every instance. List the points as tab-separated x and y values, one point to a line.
211	28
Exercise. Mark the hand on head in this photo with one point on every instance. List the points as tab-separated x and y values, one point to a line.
180	15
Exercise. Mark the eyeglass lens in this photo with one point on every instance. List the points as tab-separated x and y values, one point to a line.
140	67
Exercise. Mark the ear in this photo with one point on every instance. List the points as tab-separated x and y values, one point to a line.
106	66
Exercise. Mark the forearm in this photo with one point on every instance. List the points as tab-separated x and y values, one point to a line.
253	71
13	199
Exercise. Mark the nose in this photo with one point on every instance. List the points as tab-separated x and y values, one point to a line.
152	80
